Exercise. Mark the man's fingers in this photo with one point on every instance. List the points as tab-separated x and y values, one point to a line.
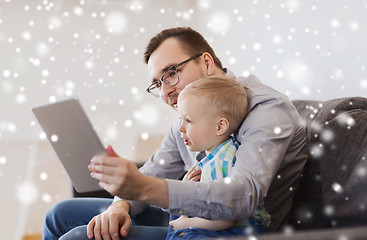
106	160
102	169
111	152
125	228
90	227
105	229
110	223
108	179
114	227
97	229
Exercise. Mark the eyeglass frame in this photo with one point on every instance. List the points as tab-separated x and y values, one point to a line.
159	83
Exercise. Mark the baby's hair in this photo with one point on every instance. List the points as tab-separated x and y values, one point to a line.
225	97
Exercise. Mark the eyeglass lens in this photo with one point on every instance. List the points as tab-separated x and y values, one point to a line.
170	77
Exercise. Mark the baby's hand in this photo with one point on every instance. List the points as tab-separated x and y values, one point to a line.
180	223
194	174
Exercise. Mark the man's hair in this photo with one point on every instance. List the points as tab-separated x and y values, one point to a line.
191	41
225	97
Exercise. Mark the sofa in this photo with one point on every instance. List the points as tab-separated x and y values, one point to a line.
331	200
333	187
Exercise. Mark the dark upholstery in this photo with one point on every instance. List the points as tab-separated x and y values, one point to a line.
333	187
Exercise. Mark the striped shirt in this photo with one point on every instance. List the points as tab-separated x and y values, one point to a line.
219	162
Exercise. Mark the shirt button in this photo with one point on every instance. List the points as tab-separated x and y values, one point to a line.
181	234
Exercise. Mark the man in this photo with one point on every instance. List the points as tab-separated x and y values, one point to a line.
269	160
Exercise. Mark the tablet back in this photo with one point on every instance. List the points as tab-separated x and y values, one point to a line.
73	138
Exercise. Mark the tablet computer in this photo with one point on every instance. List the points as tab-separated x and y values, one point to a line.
73	138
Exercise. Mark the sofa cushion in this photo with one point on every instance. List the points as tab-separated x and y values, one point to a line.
331	191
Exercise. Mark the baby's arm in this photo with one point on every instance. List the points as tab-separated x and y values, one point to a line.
183	221
196	222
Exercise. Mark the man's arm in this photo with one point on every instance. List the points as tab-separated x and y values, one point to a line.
121	178
259	157
166	162
117	218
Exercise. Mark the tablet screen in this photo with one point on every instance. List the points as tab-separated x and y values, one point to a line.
73	138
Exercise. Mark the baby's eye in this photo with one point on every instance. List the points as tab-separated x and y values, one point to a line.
188	120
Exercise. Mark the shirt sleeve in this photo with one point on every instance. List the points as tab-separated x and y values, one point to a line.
265	136
166	163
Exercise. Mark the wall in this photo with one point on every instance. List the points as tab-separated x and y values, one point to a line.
53	49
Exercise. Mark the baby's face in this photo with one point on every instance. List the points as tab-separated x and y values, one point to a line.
198	127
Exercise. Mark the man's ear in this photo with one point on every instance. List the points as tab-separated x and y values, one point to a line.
209	63
222	126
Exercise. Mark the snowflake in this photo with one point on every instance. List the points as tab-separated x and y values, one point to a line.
227	180
337	187
329	210
327	135
43	176
128	123
20	98
280	74
354	26
54	138
361	172
335	23
219	22
46	198
317	150
3	160
54	23
256	46
111	132
203	3
345	119
27	193
147	115
144	136
136	6
363	83
6	73
27	35
277	130
115	23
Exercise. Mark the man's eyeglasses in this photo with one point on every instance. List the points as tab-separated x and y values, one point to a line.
170	78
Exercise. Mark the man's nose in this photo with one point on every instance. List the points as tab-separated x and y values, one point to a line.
166	90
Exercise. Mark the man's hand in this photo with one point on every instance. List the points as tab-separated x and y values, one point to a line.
111	222
194	174
121	178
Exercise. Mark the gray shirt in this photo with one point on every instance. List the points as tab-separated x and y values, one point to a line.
269	162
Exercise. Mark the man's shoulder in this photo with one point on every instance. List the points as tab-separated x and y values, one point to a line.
268	106
259	93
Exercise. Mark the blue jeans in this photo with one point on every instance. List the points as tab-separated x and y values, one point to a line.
199	233
68	220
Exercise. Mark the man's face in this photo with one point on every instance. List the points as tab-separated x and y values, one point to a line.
165	56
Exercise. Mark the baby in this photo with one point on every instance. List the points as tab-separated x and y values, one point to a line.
211	109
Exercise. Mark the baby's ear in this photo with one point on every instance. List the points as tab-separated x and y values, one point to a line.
222	126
